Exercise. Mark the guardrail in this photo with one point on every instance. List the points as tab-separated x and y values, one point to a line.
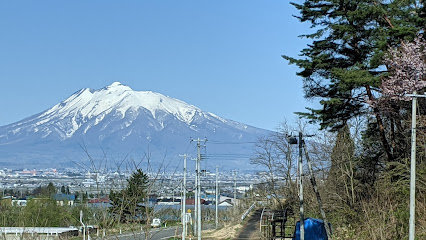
261	217
265	227
248	211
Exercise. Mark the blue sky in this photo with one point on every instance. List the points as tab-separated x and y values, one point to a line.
221	56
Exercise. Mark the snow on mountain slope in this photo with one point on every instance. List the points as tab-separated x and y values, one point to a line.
117	99
120	98
120	119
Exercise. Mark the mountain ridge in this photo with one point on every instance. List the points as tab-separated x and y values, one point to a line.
120	119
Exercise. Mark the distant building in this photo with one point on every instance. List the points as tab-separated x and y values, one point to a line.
99	200
243	188
226	203
210	191
191	201
20	202
28	172
88	182
168	201
64	199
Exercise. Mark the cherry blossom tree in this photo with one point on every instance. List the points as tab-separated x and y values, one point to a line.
407	68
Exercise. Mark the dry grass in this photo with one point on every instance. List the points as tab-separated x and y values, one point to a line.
227	232
384	217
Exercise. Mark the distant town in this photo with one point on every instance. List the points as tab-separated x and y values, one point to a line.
94	187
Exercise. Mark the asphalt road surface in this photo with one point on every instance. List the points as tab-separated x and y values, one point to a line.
251	227
156	234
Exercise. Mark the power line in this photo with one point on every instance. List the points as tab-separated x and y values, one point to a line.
221	142
228	155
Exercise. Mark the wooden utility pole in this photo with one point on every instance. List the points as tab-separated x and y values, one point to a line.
314	185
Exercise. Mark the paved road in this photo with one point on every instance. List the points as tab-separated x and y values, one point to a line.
251	227
156	234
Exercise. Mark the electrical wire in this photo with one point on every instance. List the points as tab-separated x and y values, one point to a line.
222	142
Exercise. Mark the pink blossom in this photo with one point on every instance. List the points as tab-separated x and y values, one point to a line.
407	68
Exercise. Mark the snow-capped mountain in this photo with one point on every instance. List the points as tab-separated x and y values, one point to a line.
115	122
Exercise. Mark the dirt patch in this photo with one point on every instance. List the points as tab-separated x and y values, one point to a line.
227	232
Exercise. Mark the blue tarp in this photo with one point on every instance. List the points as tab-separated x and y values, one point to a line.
314	230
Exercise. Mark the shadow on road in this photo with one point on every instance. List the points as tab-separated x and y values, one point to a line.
251	228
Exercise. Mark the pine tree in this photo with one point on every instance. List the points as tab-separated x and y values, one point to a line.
344	64
50	189
127	203
342	171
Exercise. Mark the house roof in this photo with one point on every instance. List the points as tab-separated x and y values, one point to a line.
226	202
62	197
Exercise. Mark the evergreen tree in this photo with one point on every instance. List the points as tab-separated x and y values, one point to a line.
342	172
344	64
78	196
128	203
50	189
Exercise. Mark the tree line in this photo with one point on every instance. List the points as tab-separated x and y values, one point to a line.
363	59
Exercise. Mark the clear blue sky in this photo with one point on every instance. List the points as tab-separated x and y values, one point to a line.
221	56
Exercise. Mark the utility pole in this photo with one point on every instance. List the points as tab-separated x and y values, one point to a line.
184	198
84	226
197	201
412	225
302	221
198	189
412	222
182	211
234	172
314	184
217	197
